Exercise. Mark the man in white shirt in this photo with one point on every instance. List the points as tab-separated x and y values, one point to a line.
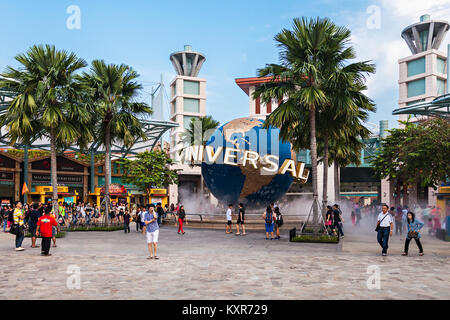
386	223
228	228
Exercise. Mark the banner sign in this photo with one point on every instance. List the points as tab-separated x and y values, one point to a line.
37	177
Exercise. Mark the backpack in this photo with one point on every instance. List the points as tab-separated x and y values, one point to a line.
11	216
269	217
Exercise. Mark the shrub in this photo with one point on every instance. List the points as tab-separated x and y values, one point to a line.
312	238
95	228
60	234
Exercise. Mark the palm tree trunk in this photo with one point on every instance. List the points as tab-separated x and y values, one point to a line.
325	175
107	169
312	123
337	183
54	176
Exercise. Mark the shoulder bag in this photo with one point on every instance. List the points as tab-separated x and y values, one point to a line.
379	222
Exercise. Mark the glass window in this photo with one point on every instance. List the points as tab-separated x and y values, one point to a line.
416	88
100	169
191	105
416	67
440	65
174	106
115	168
440	86
191	87
174	88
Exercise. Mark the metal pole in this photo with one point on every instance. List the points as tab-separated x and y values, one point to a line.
25	172
92	172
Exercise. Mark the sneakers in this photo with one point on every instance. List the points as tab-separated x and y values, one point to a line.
404	254
20	249
384	254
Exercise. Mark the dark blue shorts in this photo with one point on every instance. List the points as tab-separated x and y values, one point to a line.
269	227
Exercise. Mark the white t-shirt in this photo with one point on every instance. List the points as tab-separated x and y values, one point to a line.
387	221
228	214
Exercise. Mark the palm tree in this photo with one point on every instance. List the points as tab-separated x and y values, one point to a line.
113	91
46	103
198	133
313	60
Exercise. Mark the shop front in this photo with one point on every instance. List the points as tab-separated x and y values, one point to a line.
9	179
72	177
118	194
159	195
44	194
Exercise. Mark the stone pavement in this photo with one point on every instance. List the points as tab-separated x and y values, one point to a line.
209	264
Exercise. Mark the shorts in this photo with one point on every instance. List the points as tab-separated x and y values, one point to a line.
229	222
152	237
269	227
240	221
53	231
32	230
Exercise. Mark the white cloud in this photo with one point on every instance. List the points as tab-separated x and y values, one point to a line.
439	9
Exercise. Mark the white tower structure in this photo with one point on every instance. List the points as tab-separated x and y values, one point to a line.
187	102
423	75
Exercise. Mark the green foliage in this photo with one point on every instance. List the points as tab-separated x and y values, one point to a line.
150	169
60	234
95	228
46	102
312	238
19	153
416	154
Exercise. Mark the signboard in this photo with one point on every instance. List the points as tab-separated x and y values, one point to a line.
6	176
37	177
117	189
6	162
5	202
69	200
158	191
62	164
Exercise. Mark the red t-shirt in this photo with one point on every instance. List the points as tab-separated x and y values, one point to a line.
45	224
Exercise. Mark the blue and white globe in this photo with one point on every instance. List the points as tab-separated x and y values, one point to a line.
246	184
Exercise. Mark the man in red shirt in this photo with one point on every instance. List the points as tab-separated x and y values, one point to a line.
45	224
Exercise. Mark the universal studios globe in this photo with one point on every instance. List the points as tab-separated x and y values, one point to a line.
247	184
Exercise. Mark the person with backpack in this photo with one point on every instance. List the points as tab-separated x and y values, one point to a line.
279	222
32	224
337	220
269	218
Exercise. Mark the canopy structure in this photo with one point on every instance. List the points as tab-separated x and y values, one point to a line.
154	130
439	107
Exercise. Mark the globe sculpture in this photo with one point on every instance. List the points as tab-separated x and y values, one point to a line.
246	184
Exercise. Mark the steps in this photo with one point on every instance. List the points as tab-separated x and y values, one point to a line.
218	222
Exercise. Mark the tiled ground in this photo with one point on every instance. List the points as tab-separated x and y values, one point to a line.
209	264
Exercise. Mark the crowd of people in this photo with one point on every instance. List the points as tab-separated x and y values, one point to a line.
40	220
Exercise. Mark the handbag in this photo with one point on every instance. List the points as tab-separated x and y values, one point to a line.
379	222
413	234
15	229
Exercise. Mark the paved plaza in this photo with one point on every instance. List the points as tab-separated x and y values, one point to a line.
209	264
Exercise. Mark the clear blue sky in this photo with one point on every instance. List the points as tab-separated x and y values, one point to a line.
235	36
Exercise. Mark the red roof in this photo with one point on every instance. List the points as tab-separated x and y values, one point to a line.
246	83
